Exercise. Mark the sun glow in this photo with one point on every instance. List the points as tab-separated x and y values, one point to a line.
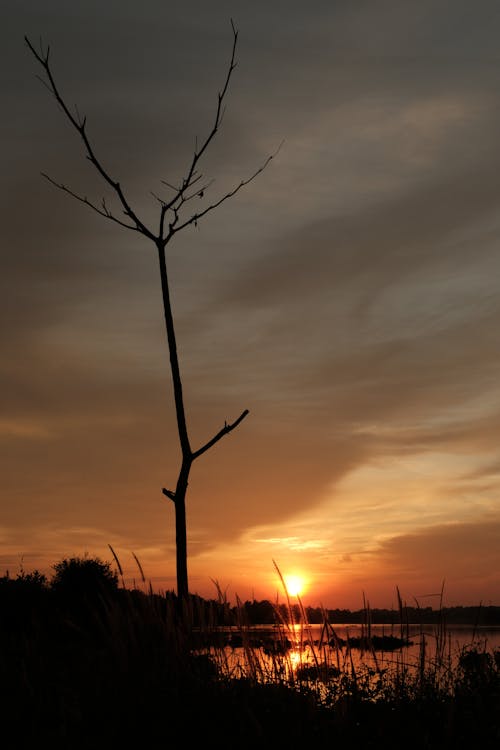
295	584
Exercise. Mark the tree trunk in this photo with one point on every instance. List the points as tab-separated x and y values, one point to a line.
179	497
180	532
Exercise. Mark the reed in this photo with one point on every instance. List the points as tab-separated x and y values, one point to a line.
127	666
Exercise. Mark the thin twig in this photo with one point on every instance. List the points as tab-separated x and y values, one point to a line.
197	216
83	199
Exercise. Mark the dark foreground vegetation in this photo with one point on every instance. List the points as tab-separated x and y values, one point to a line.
87	663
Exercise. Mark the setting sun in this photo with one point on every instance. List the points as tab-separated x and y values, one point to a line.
295	584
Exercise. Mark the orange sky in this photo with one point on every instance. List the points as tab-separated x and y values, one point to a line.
349	298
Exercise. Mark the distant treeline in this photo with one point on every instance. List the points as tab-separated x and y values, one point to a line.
77	582
264	612
452	615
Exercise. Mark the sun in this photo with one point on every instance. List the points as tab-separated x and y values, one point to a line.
295	584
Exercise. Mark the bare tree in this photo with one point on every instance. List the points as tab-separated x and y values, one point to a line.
174	216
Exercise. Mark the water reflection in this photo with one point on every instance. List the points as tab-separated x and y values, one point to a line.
322	654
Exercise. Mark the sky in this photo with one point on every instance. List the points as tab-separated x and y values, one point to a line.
348	297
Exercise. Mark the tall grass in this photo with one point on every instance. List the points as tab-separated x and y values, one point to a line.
130	667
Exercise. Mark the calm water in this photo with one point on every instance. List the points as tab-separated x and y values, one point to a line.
448	643
457	636
306	646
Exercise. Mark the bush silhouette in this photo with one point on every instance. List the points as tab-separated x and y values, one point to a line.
23	600
84	578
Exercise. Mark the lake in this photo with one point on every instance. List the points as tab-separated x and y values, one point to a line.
291	648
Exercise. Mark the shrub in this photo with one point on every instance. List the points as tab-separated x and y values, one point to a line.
84	577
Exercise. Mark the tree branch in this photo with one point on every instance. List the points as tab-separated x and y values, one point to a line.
178	199
177	202
198	153
79	124
225	430
195	217
83	199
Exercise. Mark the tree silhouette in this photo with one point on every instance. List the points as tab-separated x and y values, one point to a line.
174	216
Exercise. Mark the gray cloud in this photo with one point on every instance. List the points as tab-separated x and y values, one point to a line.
465	556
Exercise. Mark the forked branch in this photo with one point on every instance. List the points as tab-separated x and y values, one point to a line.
197	216
183	193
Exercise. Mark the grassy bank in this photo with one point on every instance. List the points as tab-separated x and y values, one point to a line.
92	664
